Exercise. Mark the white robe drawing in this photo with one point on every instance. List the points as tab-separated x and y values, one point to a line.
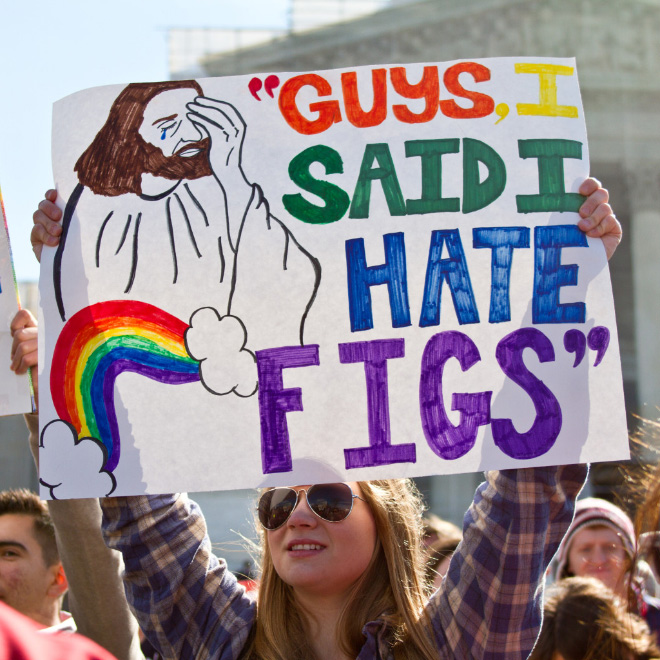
180	252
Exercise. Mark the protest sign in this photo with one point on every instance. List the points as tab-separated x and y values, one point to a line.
15	394
336	275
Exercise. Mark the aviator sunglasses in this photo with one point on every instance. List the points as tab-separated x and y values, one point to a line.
330	502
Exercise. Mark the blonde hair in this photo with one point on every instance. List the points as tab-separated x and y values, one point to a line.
643	484
644	478
392	588
648	514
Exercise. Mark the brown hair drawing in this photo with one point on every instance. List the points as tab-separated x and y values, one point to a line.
114	162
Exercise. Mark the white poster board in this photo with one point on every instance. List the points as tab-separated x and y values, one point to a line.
337	275
15	392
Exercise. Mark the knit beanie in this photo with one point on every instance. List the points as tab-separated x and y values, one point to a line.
594	512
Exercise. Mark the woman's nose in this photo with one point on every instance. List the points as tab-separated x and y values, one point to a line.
302	515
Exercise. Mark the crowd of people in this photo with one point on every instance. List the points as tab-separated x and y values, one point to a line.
347	570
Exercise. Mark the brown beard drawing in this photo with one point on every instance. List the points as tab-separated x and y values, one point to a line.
178	167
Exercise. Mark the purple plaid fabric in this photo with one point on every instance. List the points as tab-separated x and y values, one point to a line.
489	606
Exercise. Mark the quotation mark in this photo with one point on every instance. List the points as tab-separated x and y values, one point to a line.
598	340
269	85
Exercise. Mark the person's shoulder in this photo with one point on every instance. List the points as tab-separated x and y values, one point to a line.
652	603
651	613
21	639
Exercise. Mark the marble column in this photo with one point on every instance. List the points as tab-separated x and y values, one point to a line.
644	188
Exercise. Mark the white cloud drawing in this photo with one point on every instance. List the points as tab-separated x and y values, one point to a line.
72	468
218	343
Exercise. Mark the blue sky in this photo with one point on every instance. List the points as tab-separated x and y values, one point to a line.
51	49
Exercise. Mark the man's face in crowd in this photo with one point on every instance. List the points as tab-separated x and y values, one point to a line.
598	552
178	149
26	583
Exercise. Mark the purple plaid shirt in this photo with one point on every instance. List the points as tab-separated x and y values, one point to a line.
489	605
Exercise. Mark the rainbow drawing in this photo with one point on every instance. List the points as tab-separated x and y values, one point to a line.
101	342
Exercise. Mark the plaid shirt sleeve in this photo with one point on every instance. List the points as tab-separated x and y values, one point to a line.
490	604
185	599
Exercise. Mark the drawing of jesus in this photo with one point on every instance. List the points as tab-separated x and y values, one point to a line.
163	194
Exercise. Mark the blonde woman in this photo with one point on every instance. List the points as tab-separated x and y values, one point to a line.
343	572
